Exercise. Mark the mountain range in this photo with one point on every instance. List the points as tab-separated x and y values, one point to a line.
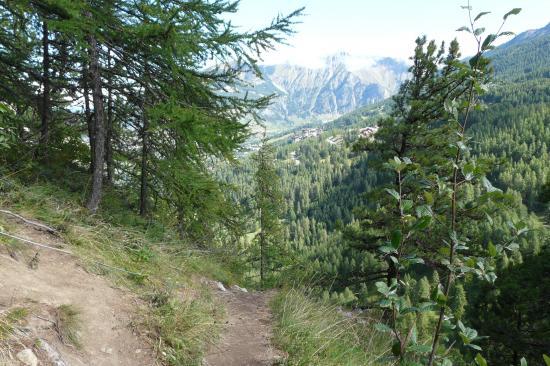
320	94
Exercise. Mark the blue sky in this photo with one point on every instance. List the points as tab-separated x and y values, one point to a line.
369	28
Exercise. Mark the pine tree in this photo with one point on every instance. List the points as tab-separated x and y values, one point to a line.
435	280
459	301
268	199
423	289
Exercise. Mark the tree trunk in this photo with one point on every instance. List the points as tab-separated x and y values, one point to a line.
143	209
109	130
262	250
88	116
98	126
45	115
144	157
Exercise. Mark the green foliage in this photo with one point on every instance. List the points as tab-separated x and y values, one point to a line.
153	101
425	214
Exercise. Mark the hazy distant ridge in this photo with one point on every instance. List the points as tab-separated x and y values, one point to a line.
324	93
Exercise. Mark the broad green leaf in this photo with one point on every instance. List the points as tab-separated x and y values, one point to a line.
385	303
426	306
464	29
414	335
481	14
382	287
488	40
429	198
396	238
407	205
424	210
523	361
438	296
416	261
492	249
488	186
514	11
386	249
423	222
546	360
419	348
479	31
461	326
513	246
393	193
480	360
489	218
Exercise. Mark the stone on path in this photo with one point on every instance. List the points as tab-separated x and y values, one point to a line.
27	357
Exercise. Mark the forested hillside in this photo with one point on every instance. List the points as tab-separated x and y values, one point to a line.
515	128
325	180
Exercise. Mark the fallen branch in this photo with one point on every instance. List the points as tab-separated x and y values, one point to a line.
34	243
67	252
38	225
118	269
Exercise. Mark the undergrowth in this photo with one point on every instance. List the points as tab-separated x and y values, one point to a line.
316	333
139	254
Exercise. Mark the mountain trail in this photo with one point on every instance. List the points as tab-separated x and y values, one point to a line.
43	283
247	333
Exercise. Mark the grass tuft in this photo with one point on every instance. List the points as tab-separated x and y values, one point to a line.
68	325
185	327
9	320
315	333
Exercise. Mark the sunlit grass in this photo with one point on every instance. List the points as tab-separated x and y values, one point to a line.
315	333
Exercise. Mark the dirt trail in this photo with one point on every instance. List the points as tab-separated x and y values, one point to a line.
246	337
58	279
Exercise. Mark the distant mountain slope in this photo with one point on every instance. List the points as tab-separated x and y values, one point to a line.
322	94
526	56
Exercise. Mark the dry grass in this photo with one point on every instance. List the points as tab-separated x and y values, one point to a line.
315	333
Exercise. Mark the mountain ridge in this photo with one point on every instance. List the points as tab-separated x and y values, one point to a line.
321	94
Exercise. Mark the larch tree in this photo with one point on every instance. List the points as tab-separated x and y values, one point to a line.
268	199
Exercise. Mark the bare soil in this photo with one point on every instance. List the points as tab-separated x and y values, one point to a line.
106	313
247	333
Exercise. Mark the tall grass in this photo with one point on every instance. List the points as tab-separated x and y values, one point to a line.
317	333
